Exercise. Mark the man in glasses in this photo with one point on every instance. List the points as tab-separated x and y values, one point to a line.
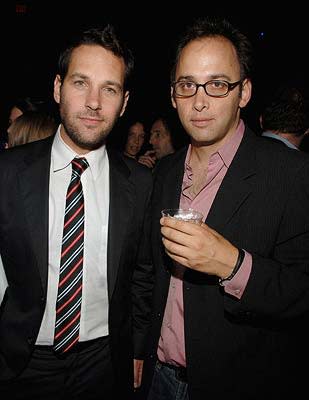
230	294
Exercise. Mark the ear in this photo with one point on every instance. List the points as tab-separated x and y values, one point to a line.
172	98
57	87
245	93
125	102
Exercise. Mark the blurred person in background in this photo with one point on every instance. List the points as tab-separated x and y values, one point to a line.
285	117
31	126
21	105
166	136
135	139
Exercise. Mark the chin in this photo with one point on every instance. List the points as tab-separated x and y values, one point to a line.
91	145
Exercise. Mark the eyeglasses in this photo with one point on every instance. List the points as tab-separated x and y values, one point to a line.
214	88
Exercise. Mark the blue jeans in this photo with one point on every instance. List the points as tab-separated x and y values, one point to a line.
166	386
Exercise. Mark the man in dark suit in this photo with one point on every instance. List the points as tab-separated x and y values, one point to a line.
95	360
231	295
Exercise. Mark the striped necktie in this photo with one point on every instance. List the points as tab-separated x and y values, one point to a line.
69	296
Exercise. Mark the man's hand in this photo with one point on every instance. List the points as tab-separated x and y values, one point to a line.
148	159
198	247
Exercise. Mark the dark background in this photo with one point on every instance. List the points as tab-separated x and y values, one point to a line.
33	33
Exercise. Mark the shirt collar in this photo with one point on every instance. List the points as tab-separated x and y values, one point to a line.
62	155
282	139
228	150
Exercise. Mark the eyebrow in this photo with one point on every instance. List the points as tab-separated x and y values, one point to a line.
85	77
212	77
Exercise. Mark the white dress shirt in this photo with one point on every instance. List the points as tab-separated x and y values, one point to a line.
95	181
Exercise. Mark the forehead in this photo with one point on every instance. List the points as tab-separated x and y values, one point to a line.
96	63
137	127
15	112
209	56
158	126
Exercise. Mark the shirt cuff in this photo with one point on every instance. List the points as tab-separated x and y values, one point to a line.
238	283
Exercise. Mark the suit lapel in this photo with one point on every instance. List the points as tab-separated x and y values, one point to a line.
122	195
173	181
34	186
236	185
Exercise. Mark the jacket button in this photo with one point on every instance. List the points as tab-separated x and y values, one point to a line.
30	340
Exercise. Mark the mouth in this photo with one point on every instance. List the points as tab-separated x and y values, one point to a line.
200	123
91	121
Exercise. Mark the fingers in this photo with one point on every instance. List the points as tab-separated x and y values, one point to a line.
185	242
147	160
150	153
180	225
180	260
179	237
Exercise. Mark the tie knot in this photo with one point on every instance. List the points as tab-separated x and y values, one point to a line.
79	165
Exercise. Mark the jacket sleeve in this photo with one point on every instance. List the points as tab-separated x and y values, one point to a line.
278	286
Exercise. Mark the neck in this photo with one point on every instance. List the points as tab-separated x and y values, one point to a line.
295	140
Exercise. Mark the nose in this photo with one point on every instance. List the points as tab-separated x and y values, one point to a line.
153	140
93	99
201	100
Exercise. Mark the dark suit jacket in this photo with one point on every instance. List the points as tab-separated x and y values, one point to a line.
24	182
242	348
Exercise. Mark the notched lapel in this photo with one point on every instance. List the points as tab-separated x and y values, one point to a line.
122	198
236	186
34	185
172	182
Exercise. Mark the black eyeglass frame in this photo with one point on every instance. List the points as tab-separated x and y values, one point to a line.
230	86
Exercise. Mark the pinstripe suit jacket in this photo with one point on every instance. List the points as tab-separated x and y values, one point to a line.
243	348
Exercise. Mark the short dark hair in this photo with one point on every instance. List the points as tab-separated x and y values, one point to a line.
212	27
104	37
287	111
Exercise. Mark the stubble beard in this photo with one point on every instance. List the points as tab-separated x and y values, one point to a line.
82	139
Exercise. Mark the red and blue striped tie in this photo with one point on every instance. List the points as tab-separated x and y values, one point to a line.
69	296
